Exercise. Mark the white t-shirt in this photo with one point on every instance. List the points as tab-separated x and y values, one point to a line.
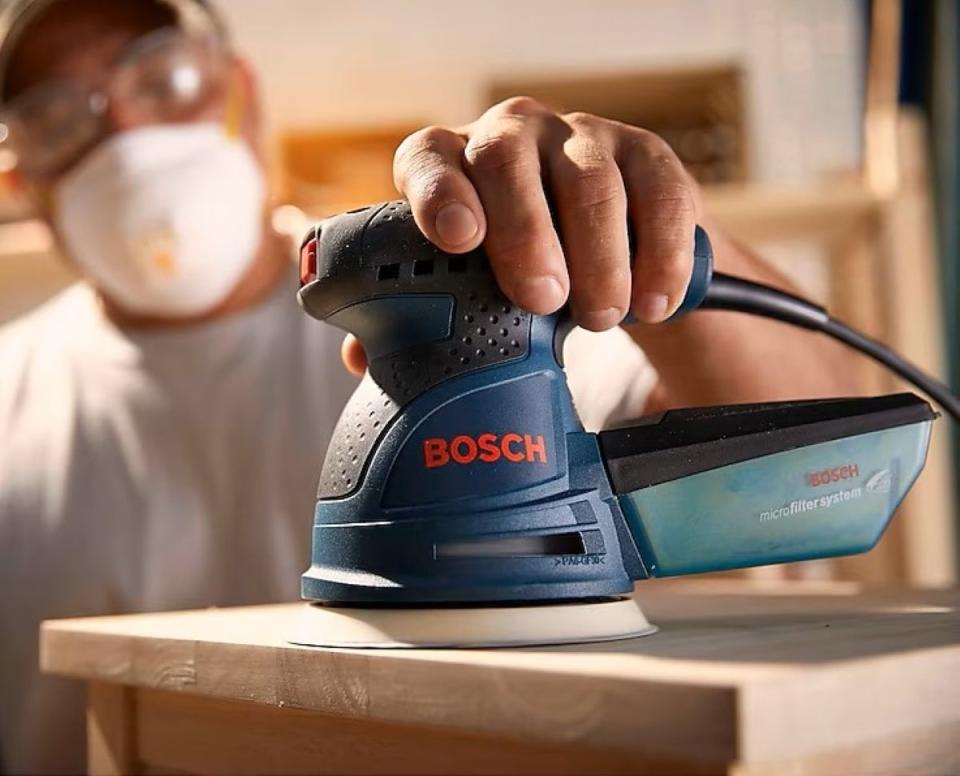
174	469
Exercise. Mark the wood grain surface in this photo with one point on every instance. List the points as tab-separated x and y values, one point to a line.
740	676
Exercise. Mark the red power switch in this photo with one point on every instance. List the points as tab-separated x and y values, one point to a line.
308	262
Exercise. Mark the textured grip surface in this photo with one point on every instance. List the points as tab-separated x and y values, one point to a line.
487	329
363	420
368	259
422	315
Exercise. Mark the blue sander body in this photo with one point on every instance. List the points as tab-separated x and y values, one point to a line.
459	474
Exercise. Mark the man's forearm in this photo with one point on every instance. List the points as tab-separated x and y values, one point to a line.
716	357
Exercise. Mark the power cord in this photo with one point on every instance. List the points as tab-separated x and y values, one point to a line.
731	293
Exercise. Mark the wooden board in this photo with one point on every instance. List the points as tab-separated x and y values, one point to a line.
746	677
184	733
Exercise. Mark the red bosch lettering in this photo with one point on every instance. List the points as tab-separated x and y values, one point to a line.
486	448
535	448
463	449
826	476
489	452
508	453
435	453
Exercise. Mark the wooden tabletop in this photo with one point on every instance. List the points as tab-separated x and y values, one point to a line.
735	674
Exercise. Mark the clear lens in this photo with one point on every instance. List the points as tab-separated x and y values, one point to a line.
164	77
52	123
169	77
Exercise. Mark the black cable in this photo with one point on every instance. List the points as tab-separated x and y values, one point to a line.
730	293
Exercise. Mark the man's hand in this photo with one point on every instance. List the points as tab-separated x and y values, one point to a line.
488	182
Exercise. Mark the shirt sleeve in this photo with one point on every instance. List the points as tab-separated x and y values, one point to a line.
609	376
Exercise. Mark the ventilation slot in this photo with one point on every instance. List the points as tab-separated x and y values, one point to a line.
457	265
513	546
388	272
423	267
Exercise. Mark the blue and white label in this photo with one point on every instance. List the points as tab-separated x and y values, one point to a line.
771	510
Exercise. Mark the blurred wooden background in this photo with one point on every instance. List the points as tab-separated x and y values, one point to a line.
834	189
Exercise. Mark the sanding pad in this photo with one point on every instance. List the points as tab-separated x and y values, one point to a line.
503	626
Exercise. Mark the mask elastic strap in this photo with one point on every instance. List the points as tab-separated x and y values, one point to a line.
236	105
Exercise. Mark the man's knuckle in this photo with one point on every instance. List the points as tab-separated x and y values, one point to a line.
519	106
432	137
650	153
501	152
595	190
650	143
667	164
654	164
592	180
591	153
410	143
418	153
582	120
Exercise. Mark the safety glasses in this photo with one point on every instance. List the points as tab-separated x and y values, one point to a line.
164	77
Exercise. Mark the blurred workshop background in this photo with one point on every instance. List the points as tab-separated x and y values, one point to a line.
825	133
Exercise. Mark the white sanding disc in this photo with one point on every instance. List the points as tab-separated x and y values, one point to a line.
504	626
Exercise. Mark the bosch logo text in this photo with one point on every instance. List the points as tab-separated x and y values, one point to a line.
487	448
827	476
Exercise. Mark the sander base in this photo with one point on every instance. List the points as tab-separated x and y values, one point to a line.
480	626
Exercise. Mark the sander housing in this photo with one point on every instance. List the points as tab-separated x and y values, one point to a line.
460	474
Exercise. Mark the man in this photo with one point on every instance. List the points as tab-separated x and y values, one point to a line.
163	422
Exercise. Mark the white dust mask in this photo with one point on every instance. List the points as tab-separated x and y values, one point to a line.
165	219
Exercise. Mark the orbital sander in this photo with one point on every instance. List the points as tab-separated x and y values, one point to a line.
461	502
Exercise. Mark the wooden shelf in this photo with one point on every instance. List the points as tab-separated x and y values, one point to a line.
823	212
